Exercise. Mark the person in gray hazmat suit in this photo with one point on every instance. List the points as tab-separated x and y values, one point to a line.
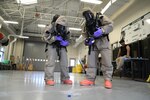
57	37
96	31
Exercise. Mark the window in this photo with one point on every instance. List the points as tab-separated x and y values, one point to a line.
72	62
1	54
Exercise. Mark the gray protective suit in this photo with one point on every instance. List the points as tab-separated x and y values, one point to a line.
52	53
102	46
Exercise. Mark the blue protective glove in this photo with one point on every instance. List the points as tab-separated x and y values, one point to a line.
89	41
58	38
64	43
98	33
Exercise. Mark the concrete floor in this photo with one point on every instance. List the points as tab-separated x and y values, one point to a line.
21	85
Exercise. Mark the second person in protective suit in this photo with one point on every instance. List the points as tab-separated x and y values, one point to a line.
97	29
57	36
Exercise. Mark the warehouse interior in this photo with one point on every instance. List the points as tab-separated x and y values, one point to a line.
23	57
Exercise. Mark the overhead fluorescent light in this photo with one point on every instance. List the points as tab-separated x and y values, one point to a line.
75	29
24	37
18	36
41	25
114	1
92	1
27	2
148	21
106	7
11	22
0	26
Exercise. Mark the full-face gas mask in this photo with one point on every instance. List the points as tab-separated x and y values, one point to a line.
60	29
89	17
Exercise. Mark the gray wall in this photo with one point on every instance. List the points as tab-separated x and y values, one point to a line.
35	50
134	11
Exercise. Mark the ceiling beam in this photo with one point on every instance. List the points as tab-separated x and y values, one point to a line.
31	23
43	13
6	14
32	34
